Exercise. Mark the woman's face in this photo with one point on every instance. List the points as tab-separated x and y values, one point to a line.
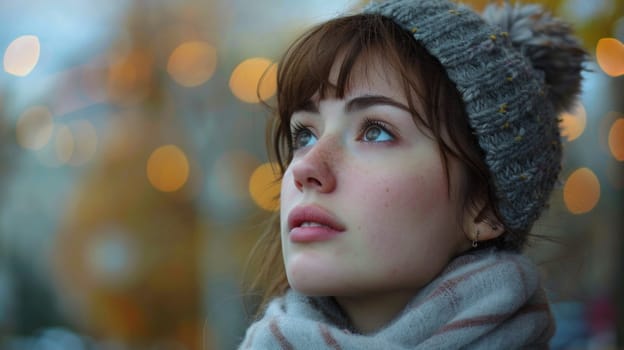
365	206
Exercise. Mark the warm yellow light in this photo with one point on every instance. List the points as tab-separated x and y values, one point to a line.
64	144
581	191
264	188
34	128
167	168
22	55
253	77
573	124
192	63
85	142
610	56
616	139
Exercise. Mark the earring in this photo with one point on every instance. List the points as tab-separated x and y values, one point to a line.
475	242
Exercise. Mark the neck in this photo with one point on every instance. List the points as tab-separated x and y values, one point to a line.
371	312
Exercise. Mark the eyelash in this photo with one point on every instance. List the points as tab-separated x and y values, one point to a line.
296	128
368	122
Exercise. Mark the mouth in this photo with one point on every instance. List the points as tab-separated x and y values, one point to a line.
313	216
312	224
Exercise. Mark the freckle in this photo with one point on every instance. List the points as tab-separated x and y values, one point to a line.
387	189
386	204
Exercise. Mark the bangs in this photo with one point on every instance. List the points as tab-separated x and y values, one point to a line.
305	68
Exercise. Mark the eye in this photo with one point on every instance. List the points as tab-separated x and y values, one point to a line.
376	131
302	136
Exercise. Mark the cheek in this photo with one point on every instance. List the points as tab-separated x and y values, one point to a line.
405	213
403	196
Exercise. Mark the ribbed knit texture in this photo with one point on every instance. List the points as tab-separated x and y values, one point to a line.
482	300
509	104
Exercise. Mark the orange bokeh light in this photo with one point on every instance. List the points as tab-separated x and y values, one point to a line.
616	139
167	168
253	77
192	63
264	188
581	191
610	56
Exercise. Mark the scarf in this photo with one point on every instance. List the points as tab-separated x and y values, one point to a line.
481	300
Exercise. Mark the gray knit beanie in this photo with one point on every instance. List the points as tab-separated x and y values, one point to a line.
517	69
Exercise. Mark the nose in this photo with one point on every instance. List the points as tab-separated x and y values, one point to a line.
315	170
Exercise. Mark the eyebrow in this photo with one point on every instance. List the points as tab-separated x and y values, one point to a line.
357	104
362	102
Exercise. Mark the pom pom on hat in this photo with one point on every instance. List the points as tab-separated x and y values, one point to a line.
548	43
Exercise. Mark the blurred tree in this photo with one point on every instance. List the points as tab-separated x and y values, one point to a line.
127	257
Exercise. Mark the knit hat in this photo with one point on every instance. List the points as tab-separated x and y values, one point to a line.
516	69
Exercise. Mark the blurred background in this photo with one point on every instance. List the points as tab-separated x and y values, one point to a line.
134	178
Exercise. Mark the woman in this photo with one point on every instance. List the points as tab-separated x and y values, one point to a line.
418	143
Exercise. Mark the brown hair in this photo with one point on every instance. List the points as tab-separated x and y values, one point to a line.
304	70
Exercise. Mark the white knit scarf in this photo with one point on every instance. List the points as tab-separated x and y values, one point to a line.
482	300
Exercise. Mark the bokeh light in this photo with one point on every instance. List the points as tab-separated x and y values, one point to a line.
192	63
581	191
264	188
167	168
64	144
85	141
616	139
610	56
22	55
34	128
573	123
253	77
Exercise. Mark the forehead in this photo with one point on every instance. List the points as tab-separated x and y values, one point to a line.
369	75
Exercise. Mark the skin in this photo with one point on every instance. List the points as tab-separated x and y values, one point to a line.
386	184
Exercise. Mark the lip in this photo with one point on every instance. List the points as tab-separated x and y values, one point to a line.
331	226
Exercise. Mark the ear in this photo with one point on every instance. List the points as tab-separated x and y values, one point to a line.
484	226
